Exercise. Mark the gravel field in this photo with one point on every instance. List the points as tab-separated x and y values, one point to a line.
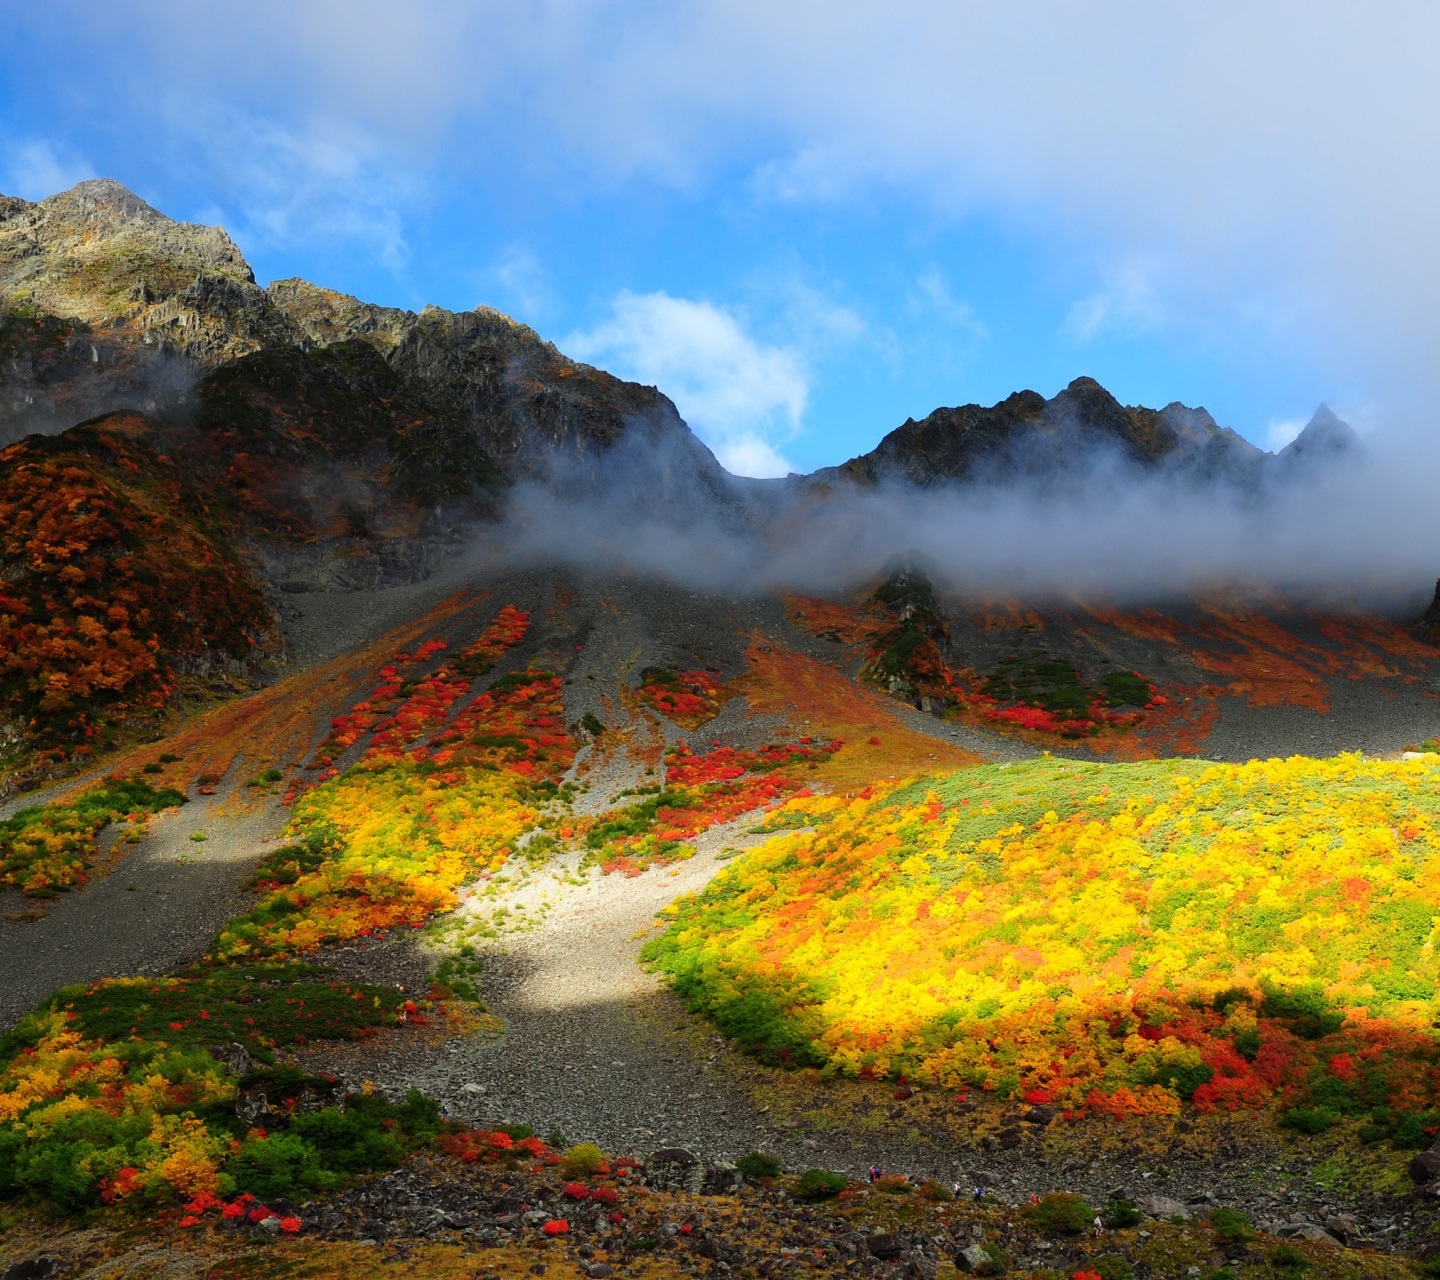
156	908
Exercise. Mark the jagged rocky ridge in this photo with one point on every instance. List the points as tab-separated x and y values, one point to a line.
1027	437
111	304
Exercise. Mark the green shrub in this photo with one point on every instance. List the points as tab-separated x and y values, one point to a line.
1110	1266
583	1161
592	724
279	1165
1231	1226
1305	1009
999	1261
937	1191
758	1165
1226	1000
1247	1043
820	1184
1121	1213
1311	1120
1410	1135
1061	1213
323	1148
1286	1257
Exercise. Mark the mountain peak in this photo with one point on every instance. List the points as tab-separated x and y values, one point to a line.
1325	437
104	199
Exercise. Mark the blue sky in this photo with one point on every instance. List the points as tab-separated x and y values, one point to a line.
805	221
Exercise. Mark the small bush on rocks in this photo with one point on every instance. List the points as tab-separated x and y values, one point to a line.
1231	1226
1111	1266
999	1261
820	1184
1311	1120
895	1185
1061	1213
1286	1258
758	1165
936	1191
1121	1213
584	1161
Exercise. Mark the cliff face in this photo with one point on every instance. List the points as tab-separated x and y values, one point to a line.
109	300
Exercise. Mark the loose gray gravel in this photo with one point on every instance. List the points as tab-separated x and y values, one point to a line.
156	908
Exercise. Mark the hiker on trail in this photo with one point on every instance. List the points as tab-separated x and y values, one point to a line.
959	1190
874	1173
1099	1226
1034	1199
979	1194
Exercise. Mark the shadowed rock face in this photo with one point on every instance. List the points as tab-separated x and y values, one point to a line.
104	290
1026	436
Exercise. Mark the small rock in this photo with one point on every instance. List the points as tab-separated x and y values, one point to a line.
810	1144
1039	1115
472	1088
1009	1139
598	1271
268	1226
1192	1272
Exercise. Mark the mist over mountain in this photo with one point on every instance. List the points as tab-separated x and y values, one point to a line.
359	445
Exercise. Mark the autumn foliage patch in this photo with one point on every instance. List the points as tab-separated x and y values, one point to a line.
111	567
1118	939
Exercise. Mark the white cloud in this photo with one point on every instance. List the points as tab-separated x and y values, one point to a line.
319	181
1282	432
939	298
39	169
1128	302
743	398
525	283
1277	155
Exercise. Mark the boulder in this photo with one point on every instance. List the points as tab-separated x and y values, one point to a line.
1306	1231
972	1258
919	1267
1009	1139
1039	1115
675	1169
888	1245
30	1269
1162	1207
1425	1167
235	1058
1344	1227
